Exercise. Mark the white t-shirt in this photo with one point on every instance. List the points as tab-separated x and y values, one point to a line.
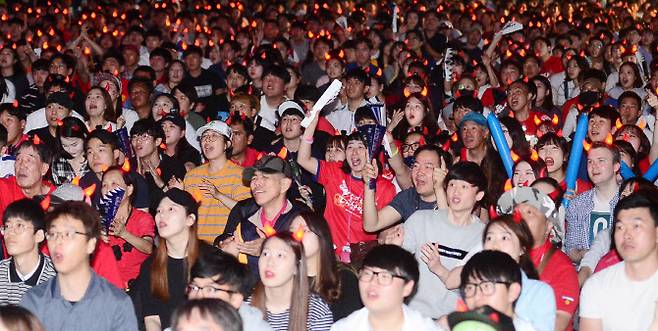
619	302
37	119
358	320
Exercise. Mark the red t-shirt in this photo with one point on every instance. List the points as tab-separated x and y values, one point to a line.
344	210
140	224
561	275
552	66
10	192
251	156
529	126
608	260
581	186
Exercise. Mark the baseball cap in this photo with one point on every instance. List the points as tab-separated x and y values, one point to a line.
175	119
270	164
535	198
216	125
66	192
290	107
474	117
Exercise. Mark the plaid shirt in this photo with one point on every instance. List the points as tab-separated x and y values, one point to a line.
62	171
578	218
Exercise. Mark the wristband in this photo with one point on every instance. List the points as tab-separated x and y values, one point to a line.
308	140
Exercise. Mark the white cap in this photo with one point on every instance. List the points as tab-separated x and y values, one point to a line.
289	104
218	126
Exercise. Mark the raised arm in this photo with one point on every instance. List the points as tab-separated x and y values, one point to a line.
374	220
304	157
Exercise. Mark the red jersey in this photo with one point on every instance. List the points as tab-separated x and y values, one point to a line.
581	186
344	210
10	192
129	259
561	275
552	66
251	156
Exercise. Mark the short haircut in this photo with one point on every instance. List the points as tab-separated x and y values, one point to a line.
140	80
631	95
358	74
614	150
246	122
469	172
150	72
307	92
41	64
147	126
13	111
18	318
396	260
639	199
45	153
364	113
187	89
279	72
447	157
491	265
468	102
216	310
27	210
91	220
105	137
161	52
238	69
68	60
213	262
192	49
607	112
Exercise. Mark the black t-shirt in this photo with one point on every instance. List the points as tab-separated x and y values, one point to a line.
187	153
169	167
205	85
408	201
148	305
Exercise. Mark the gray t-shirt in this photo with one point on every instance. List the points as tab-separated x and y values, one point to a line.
456	246
407	202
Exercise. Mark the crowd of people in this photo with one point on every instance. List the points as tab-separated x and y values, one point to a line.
216	165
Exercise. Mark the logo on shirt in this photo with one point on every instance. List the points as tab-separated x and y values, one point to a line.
349	201
452	253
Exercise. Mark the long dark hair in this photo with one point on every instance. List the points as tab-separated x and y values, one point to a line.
327	282
522	232
159	277
429	123
109	113
299	301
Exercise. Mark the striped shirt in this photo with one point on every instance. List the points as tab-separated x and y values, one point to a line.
319	316
12	287
213	214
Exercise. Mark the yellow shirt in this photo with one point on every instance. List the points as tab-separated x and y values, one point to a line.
213	214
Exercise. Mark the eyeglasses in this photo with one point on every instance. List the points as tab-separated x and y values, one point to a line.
384	278
141	137
487	288
208	290
63	235
18	228
209	138
410	147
